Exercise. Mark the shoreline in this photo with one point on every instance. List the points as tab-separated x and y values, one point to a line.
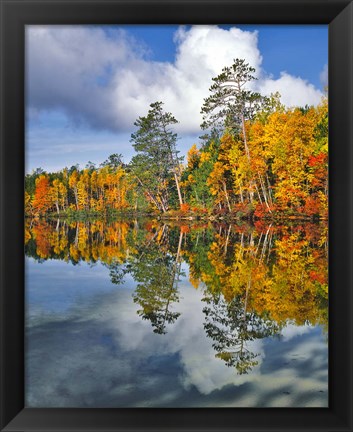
191	217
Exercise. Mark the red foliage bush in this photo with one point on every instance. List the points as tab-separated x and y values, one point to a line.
184	229
261	211
319	277
184	208
312	206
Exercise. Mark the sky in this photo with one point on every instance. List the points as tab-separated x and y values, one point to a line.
87	85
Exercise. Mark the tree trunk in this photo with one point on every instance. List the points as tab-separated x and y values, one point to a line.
247	296
175	276
226	195
76	198
264	193
241	192
269	190
245	139
227	239
258	193
178	189
153	199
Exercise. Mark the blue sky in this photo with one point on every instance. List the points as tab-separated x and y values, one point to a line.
281	46
86	85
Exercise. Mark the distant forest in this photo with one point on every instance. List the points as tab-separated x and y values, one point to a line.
257	159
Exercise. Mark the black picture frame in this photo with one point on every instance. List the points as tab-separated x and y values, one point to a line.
338	14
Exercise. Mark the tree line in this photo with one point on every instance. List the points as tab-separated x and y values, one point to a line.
256	158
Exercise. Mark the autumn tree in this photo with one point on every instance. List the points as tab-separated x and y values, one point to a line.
264	162
43	199
58	192
28	204
30	180
196	175
289	140
73	183
231	104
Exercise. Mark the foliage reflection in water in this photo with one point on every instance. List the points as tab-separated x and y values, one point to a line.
254	282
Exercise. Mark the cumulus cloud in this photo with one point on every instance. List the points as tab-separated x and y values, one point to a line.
107	81
69	67
294	91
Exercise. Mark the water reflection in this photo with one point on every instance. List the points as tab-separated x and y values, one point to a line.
157	272
253	284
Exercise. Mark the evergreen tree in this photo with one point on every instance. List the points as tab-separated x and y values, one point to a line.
157	161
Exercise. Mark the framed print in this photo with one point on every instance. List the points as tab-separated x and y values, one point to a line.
181	173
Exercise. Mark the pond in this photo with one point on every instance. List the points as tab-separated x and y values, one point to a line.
143	313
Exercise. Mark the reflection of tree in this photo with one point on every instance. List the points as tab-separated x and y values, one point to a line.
117	272
278	271
157	273
231	327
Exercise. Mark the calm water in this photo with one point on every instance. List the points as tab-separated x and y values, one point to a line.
146	314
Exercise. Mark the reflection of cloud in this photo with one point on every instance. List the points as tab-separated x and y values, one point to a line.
98	352
186	337
201	368
291	331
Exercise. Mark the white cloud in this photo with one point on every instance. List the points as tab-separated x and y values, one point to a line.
107	82
324	76
202	51
67	68
294	91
